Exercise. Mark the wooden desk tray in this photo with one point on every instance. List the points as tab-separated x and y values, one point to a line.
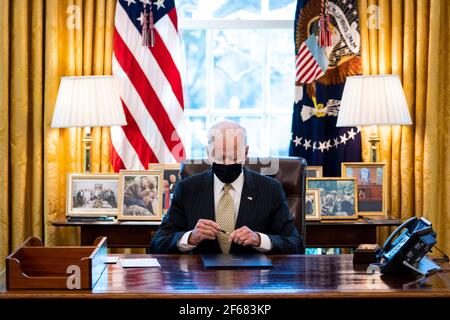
33	266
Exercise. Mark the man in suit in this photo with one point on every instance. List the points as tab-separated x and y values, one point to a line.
228	209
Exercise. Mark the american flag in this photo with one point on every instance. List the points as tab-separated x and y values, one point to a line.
310	62
149	85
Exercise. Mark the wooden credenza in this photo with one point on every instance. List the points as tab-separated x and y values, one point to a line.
323	234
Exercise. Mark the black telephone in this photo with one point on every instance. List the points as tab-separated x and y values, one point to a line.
407	246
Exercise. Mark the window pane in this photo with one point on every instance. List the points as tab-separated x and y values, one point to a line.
186	9
282	69
237	9
221	9
279	129
254	127
196	137
282	9
195	70
238	61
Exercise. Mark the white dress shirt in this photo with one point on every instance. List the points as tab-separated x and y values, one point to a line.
235	192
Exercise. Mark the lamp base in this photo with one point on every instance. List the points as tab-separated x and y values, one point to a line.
373	140
87	141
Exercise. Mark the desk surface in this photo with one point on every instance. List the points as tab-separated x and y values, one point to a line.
293	276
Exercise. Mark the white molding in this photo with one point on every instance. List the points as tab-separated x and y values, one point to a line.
185	24
260	112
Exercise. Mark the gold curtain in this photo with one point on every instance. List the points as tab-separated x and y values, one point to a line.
40	42
411	38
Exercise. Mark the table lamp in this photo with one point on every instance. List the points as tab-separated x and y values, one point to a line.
373	100
88	101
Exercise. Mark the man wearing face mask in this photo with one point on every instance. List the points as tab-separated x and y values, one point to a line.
228	209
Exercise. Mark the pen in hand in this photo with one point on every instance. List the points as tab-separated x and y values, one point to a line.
223	231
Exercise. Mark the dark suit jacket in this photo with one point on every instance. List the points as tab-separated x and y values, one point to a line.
266	212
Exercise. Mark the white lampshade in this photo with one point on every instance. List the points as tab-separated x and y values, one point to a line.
373	100
90	101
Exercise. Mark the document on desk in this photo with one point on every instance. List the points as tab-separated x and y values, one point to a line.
112	259
236	261
140	263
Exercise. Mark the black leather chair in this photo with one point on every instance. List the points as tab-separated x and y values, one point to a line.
290	171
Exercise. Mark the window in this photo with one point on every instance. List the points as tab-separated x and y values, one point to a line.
239	65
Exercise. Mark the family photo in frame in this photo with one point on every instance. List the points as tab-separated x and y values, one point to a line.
171	176
314	171
90	195
140	196
371	181
312	205
337	197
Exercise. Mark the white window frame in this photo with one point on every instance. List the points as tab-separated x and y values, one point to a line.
267	111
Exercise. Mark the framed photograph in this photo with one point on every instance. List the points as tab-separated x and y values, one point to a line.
92	194
371	181
314	171
337	197
171	176
140	196
312	205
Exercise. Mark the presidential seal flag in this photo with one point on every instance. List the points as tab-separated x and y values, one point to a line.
327	44
147	63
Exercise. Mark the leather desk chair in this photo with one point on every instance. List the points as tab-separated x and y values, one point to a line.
291	173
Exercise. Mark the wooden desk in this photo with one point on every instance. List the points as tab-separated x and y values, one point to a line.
322	234
323	285
292	277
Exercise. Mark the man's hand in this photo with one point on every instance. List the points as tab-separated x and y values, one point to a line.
204	230
246	237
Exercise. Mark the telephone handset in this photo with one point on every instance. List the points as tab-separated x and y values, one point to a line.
406	247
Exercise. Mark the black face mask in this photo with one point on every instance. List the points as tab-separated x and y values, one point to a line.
227	173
